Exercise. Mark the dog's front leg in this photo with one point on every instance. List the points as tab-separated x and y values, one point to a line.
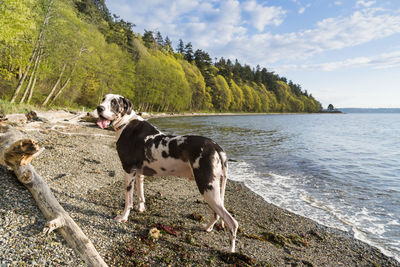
140	192
128	197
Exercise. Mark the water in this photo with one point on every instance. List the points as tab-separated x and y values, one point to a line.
341	170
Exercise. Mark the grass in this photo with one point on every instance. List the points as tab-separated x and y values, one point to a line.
8	108
12	108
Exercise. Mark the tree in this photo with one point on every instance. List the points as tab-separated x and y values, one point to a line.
34	57
188	54
202	59
221	95
200	99
248	103
168	45
237	97
181	47
148	39
159	39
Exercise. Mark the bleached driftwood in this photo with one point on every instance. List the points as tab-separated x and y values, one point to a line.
17	152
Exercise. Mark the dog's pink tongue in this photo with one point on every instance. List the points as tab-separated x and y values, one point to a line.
103	123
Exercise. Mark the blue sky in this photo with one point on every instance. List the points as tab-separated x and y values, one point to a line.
344	52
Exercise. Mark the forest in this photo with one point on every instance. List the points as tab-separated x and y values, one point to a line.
70	53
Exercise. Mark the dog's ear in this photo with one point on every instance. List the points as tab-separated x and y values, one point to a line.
126	106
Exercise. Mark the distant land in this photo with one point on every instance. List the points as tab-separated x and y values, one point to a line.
370	110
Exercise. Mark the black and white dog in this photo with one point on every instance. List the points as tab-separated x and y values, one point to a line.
144	150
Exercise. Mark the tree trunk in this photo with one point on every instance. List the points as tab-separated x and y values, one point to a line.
22	80
60	91
55	86
32	89
28	87
19	72
81	50
17	152
34	80
34	52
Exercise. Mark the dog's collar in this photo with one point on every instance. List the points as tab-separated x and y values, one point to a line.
119	127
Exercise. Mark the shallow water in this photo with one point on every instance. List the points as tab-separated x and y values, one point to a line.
341	170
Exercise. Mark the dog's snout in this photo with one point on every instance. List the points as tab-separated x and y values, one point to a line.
100	109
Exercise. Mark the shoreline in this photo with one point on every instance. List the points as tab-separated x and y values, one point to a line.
192	114
90	187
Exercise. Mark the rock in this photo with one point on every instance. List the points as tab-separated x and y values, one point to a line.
16	118
32	116
154	234
145	115
91	117
196	216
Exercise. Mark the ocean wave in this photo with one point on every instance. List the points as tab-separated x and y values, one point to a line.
289	192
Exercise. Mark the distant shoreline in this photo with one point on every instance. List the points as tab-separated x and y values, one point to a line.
370	110
189	114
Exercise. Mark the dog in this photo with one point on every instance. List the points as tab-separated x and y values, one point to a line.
146	151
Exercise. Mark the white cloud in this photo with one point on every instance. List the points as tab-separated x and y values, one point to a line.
329	34
338	3
382	61
261	16
365	3
303	9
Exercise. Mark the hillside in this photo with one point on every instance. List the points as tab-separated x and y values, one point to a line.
70	53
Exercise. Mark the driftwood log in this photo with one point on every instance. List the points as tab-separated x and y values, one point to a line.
17	152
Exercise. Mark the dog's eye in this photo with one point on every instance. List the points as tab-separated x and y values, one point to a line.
114	105
103	99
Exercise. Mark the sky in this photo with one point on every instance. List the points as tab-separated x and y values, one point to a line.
343	52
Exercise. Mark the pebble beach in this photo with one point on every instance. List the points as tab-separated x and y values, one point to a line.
81	166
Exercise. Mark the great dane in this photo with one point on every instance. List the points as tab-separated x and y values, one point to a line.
144	150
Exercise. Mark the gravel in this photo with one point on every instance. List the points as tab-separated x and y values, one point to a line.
85	175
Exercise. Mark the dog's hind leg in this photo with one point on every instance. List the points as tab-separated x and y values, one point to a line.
212	197
140	192
128	197
213	219
223	186
207	173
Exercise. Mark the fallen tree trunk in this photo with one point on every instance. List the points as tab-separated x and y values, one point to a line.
17	152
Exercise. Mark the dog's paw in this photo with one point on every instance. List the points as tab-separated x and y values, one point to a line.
207	228
120	218
141	208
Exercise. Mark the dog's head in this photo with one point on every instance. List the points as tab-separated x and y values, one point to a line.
112	108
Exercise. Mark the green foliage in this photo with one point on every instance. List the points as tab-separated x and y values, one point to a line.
18	26
200	97
222	94
237	97
248	94
14	28
81	51
161	83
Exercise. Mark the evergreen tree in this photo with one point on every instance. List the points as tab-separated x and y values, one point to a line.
159	39
148	39
202	59
181	47
188	54
168	45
